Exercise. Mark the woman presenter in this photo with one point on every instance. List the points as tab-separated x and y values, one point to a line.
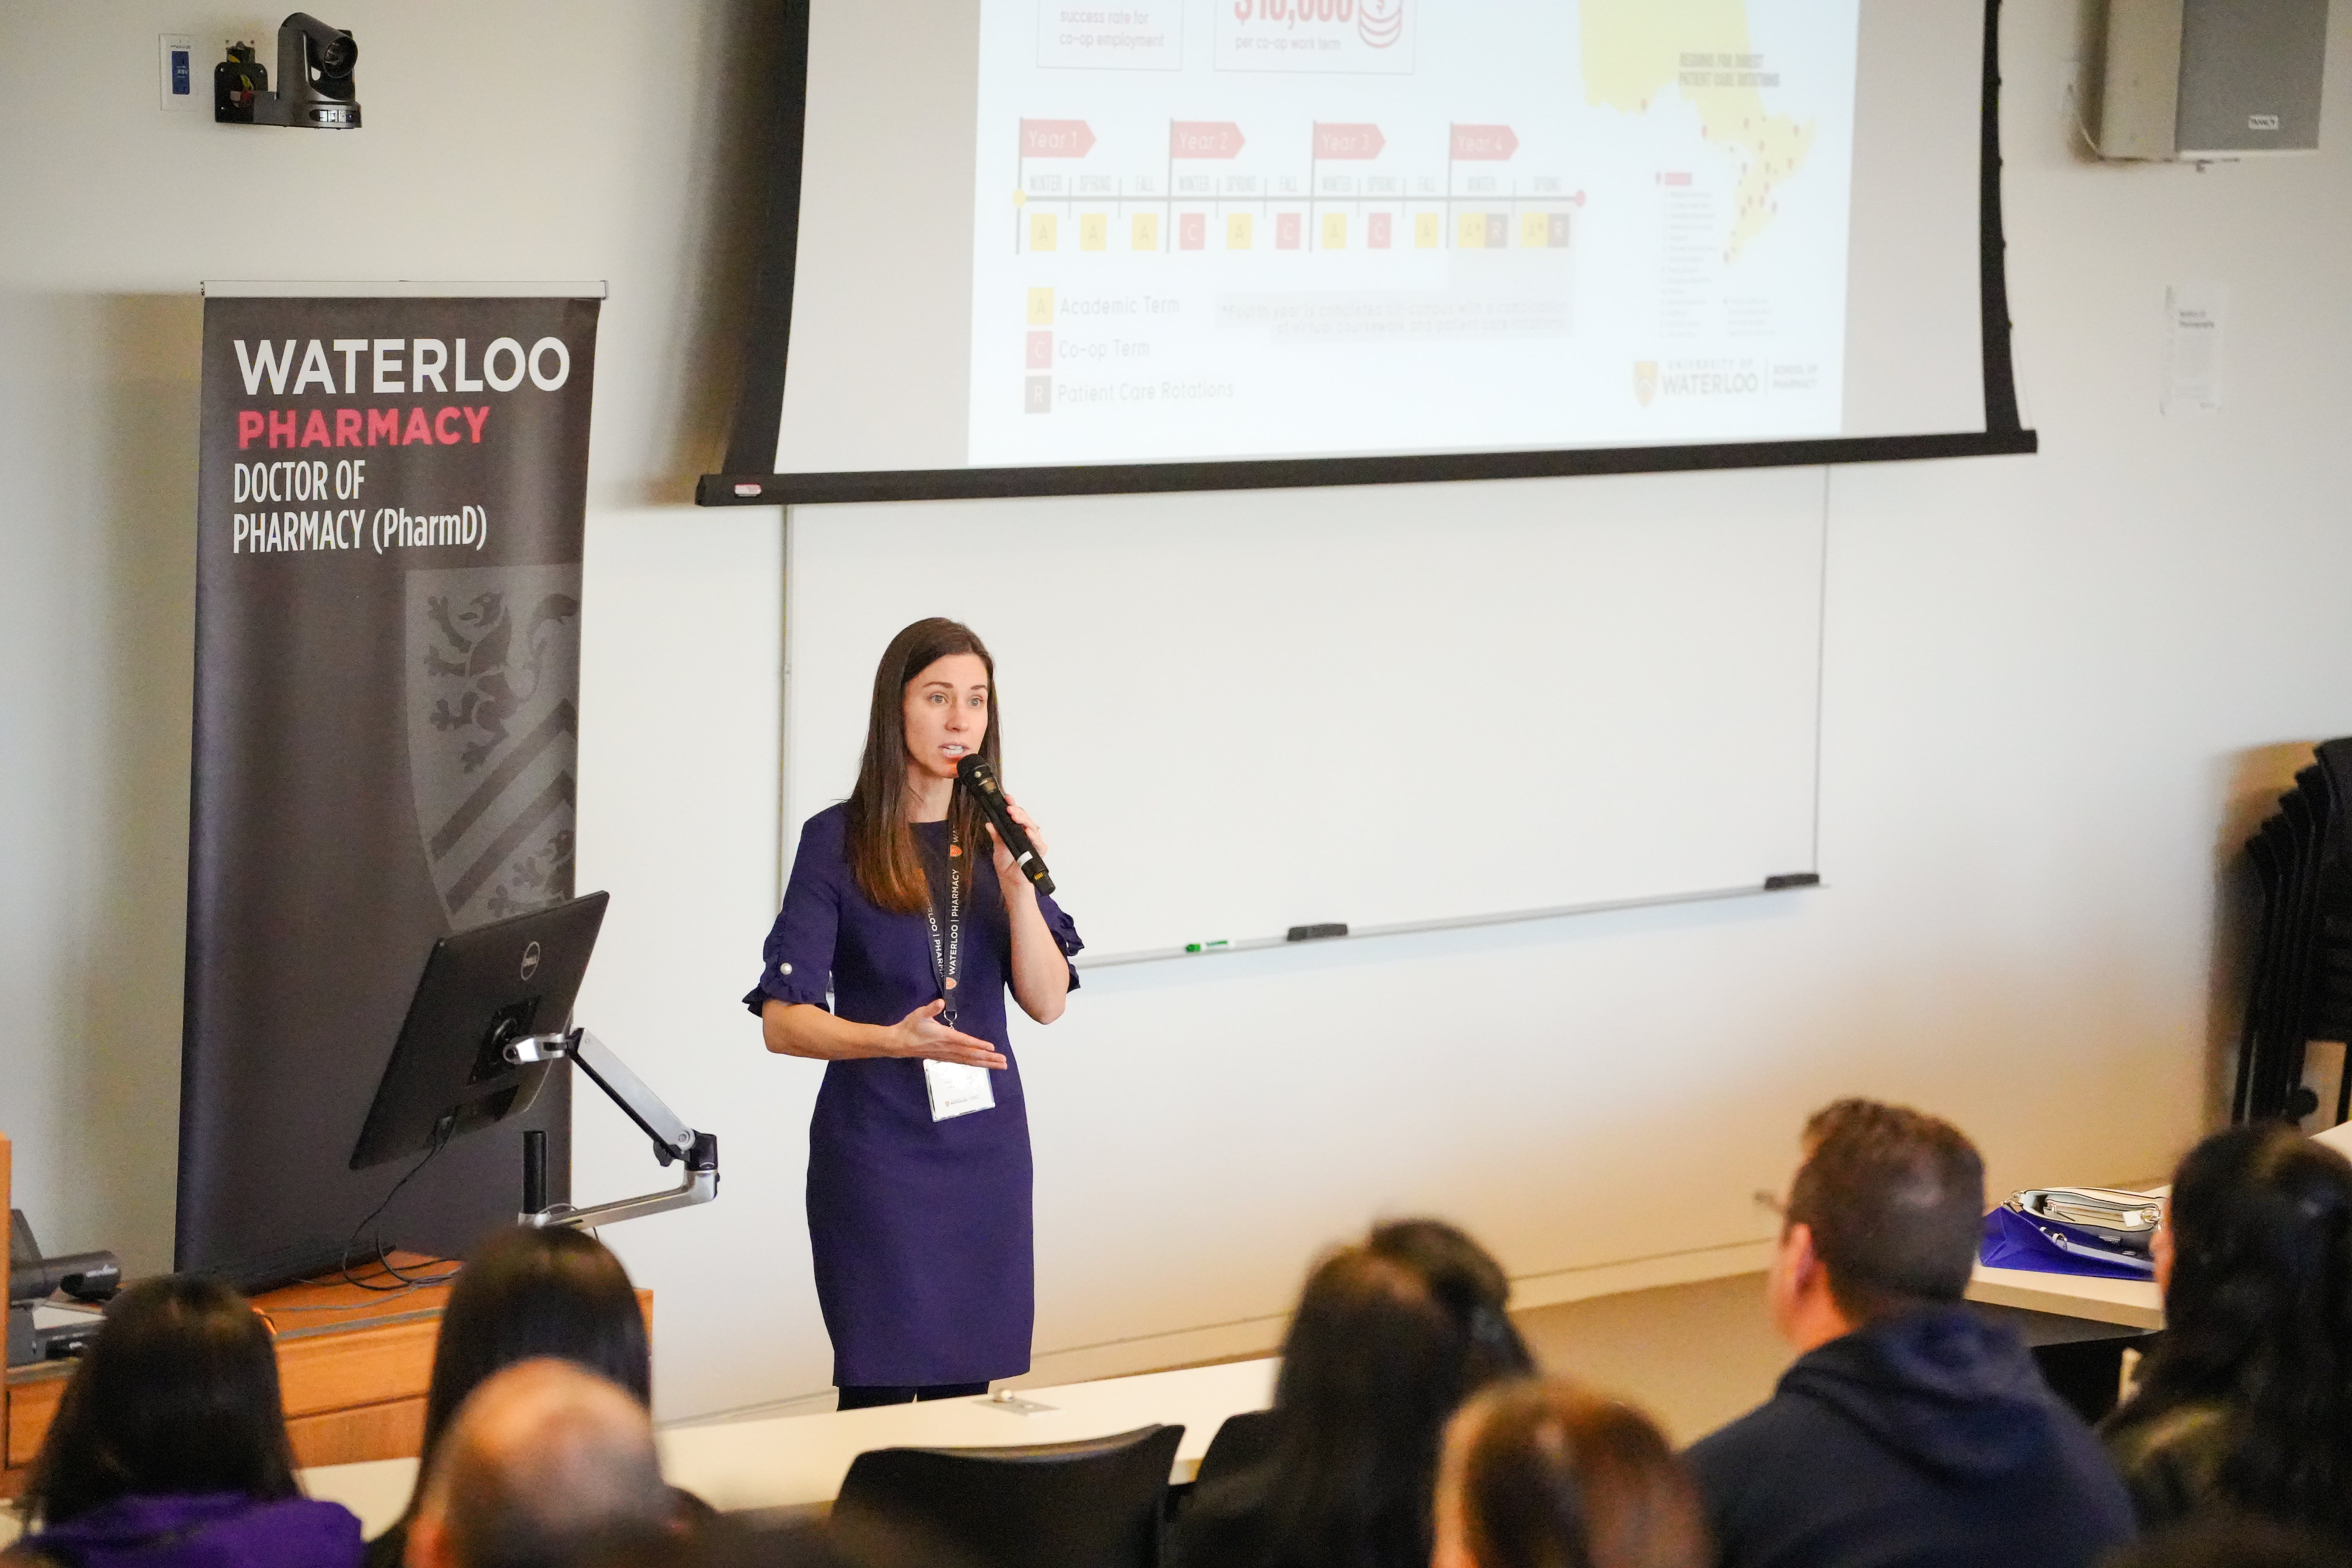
903	924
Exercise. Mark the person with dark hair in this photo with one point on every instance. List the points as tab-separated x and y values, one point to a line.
1469	1284
1544	1475
529	1292
903	923
1911	1432
545	1463
169	1449
2243	1406
1373	1365
1465	1281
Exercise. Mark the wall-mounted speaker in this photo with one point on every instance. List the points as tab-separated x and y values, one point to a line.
2198	81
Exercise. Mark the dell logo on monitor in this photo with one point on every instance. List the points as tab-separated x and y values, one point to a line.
531	961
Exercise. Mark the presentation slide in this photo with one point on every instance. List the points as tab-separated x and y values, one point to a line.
1250	229
1042	235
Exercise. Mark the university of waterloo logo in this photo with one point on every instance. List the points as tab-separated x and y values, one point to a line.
1646	381
1380	22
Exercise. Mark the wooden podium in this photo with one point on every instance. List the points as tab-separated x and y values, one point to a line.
353	1365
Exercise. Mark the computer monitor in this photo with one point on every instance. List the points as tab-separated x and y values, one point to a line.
482	988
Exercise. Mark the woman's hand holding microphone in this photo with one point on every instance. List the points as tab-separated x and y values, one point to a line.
1009	875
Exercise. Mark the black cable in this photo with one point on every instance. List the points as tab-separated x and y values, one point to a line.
382	1259
412	1281
378	1271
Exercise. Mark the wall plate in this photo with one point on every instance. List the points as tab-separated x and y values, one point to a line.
183	83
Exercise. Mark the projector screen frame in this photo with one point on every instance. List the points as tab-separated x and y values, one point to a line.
747	479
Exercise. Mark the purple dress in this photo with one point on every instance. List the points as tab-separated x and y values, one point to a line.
921	1229
207	1530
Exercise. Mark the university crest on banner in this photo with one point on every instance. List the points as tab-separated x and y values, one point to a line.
493	733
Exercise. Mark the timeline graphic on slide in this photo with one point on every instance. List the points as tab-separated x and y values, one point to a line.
1213	228
1320	206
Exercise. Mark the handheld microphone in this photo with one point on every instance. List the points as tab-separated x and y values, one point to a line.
976	776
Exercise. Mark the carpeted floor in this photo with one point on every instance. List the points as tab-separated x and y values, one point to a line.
1694	1356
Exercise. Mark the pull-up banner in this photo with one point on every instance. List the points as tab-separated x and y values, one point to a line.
393	489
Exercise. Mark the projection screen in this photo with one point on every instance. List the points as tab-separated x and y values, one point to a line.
1048	247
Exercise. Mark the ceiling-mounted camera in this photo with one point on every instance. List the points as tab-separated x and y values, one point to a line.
314	79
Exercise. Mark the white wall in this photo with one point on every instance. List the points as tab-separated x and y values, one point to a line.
504	140
2057	688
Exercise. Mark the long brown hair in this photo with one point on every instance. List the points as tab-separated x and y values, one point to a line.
526	1293
881	848
1553	1477
1376	1359
178	1394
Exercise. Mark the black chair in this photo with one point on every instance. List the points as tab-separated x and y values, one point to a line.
2299	987
1242	1440
1092	1504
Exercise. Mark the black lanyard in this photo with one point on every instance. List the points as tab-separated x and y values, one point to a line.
947	950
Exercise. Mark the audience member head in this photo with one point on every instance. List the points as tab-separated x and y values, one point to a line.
179	1394
1375	1361
2256	1259
1469	1284
1882	1218
1543	1475
544	1465
530	1292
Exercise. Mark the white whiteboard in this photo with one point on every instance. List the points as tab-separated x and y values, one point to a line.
1388	706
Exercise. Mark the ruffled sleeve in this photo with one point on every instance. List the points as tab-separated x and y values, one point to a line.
799	952
1065	930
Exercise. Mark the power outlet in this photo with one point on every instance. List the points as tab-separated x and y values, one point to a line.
183	86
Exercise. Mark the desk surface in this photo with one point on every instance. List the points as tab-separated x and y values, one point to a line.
309	1309
790	1460
2134	1303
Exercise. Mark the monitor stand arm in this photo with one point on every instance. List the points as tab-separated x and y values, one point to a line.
673	1139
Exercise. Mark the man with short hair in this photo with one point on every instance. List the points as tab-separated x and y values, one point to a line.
544	1463
1911	1432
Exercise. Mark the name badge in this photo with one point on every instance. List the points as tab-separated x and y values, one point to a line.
957	1089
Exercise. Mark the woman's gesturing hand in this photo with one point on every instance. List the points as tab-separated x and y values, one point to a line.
920	1033
1007	874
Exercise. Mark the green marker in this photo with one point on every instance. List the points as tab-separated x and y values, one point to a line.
1204	946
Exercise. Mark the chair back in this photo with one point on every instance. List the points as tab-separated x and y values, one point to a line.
1091	1504
1244	1439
